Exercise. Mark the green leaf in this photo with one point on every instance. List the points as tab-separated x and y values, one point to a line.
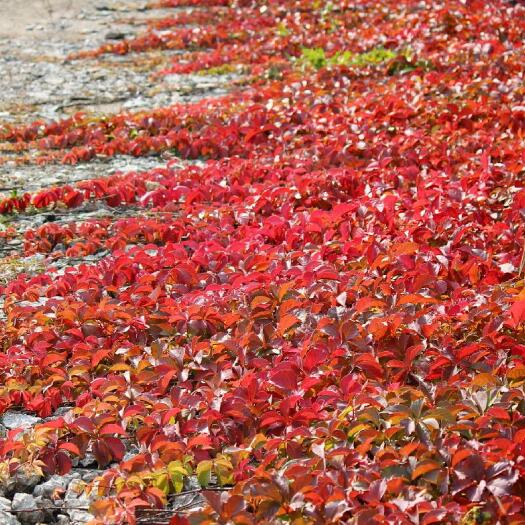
204	472
224	470
177	472
162	483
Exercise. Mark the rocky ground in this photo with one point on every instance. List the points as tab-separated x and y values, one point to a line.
38	81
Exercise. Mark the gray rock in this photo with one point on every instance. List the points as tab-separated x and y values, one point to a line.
76	497
87	460
60	412
5	504
8	519
88	474
27	508
191	483
46	489
62	519
13	420
131	453
22	481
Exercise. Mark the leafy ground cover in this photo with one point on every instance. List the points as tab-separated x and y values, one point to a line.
322	322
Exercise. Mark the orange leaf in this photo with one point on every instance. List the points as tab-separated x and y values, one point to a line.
286	322
460	455
287	305
284	289
416	299
230	319
484	379
368	302
261	300
517	373
408	449
52	358
404	248
424	468
378	328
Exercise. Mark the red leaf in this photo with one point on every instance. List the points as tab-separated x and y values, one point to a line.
517	313
70	447
200	441
52	358
370	366
368	302
284	378
84	423
64	463
116	447
112	428
98	356
434	516
102	452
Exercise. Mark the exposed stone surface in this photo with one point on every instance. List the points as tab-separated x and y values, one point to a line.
22	482
28	508
62	519
49	487
5	504
8	519
13	419
76	497
33	178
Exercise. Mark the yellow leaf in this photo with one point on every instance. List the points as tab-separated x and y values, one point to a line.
258	441
358	428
